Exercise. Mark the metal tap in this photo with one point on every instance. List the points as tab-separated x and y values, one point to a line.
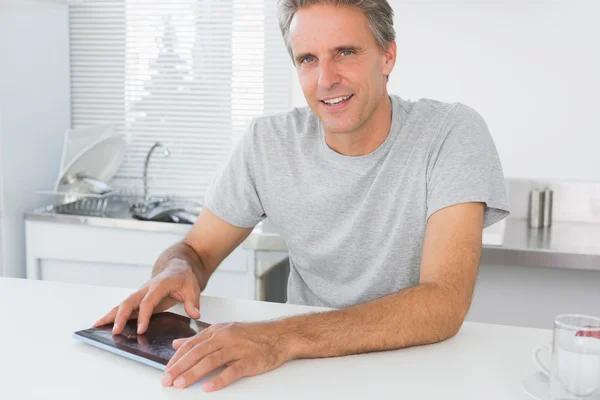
166	152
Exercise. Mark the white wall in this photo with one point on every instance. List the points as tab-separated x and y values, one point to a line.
35	113
529	67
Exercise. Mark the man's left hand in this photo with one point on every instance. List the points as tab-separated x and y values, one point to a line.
244	349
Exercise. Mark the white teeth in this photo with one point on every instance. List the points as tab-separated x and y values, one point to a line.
336	100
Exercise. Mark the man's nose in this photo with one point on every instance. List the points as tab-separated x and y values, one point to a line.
328	75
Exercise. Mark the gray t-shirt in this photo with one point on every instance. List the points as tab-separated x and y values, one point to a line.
354	225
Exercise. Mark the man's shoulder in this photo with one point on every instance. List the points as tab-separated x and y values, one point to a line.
431	108
294	122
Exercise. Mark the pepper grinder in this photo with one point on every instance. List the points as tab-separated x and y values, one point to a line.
536	208
547	213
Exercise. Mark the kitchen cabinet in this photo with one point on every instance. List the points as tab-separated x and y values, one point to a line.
123	257
531	296
524	282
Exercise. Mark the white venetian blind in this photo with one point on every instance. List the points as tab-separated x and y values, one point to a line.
187	73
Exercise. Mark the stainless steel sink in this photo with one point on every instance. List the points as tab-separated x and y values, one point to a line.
164	211
122	207
108	207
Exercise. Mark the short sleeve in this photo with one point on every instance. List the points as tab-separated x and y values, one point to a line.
465	167
232	195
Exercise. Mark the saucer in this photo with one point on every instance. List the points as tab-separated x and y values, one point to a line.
537	386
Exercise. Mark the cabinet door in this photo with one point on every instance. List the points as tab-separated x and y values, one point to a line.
120	257
93	273
502	290
222	283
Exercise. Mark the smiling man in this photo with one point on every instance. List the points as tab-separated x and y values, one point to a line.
381	202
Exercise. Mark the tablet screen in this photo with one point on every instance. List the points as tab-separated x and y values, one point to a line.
155	347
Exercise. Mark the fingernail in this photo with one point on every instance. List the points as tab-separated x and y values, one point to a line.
179	382
166	381
209	386
197	311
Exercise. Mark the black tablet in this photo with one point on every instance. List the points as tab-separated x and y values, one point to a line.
154	348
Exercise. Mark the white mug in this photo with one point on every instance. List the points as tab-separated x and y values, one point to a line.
574	372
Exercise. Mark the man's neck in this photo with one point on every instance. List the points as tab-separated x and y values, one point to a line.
366	139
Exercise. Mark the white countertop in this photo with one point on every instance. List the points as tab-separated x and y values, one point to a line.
41	360
571	245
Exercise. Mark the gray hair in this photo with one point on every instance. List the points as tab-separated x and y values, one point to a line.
378	12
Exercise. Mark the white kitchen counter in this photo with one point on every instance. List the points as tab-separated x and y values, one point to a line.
40	359
566	245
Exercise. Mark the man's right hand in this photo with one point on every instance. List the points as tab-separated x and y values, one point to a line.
176	283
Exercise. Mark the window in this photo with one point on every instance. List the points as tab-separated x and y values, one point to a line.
187	73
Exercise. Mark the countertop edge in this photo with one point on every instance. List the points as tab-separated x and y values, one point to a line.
537	258
271	241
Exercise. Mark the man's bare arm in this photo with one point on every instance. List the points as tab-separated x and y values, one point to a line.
205	246
180	273
427	313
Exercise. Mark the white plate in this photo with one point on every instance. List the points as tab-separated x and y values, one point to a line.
537	386
101	160
76	140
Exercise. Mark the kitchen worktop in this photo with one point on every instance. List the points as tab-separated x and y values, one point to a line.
259	239
571	245
483	361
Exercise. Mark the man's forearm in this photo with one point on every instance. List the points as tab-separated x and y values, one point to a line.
419	315
185	253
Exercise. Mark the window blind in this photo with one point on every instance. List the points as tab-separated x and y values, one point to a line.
190	74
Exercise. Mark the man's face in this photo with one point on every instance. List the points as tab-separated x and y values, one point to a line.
337	56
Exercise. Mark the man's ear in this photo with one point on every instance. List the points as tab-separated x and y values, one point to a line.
389	59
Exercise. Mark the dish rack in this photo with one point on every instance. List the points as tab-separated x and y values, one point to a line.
121	203
116	203
87	206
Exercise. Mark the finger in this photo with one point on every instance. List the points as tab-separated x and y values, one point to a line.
126	309
143	341
187	359
186	345
192	306
147	305
203	367
188	355
108	318
229	375
165	304
180	341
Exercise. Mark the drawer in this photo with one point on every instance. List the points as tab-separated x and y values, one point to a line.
106	246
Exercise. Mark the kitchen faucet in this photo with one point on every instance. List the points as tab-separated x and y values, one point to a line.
166	152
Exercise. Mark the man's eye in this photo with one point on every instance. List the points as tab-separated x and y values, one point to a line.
307	59
347	52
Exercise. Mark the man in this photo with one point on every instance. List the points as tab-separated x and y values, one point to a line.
381	202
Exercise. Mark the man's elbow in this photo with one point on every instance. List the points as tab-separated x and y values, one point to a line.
449	328
454	328
455	316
